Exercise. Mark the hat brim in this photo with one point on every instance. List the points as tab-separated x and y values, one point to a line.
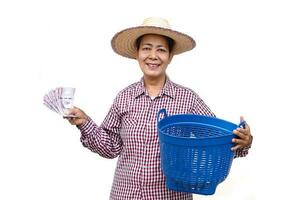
124	42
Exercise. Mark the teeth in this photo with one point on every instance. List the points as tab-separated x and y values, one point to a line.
153	65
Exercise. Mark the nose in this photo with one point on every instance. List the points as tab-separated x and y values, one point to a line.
153	55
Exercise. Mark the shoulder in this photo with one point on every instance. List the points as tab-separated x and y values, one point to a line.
181	90
187	95
129	90
127	93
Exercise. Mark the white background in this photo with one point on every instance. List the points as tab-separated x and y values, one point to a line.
242	65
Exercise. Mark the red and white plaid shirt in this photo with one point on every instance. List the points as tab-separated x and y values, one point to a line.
129	131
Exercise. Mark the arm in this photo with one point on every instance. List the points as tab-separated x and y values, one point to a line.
105	139
242	144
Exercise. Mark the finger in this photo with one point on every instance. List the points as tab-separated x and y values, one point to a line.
236	147
71	120
240	134
76	112
243	142
239	141
246	136
242	131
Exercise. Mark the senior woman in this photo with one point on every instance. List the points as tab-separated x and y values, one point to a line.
129	129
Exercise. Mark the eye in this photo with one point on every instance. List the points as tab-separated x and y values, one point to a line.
146	48
162	50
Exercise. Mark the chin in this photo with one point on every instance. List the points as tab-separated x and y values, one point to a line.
152	75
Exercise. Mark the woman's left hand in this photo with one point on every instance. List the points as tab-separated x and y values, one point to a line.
244	138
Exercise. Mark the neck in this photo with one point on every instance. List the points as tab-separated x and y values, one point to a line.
154	85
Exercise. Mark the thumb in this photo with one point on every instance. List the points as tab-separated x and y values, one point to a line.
242	121
71	111
241	118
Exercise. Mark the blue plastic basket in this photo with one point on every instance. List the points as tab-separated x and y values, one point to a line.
195	151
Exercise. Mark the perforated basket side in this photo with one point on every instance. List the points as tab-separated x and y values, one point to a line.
196	166
195	152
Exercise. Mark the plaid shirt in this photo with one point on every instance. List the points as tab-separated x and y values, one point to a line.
129	131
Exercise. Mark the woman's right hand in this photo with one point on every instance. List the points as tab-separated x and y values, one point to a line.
78	117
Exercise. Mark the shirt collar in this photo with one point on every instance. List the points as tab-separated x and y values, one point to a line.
139	89
168	89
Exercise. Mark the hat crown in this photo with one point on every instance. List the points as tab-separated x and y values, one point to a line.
124	42
157	22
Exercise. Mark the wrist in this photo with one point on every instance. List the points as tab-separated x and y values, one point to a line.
85	121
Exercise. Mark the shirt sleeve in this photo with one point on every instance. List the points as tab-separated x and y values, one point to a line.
199	107
105	139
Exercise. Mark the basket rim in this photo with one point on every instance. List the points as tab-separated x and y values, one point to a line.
171	117
195	142
210	137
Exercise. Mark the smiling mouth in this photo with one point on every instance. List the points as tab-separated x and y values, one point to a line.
153	66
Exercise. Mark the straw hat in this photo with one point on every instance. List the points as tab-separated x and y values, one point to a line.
124	42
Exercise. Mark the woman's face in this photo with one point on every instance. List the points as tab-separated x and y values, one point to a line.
153	56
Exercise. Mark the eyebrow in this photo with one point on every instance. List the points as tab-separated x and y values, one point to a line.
149	44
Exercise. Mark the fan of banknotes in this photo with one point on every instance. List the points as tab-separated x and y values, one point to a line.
60	100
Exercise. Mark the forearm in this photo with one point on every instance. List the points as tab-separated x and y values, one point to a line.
99	140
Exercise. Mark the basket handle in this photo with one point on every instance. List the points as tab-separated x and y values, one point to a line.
161	111
242	124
